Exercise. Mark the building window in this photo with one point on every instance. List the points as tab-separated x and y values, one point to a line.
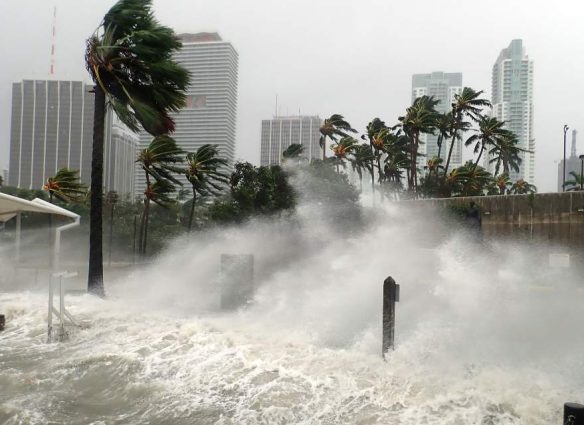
196	101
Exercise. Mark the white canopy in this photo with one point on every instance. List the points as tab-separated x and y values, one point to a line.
10	206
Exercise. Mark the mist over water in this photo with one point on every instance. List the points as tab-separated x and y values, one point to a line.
487	333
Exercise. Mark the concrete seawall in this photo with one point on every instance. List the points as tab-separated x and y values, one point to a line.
554	218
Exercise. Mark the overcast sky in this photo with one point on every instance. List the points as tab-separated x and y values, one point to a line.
333	56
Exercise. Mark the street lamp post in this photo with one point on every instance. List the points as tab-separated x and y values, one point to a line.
581	172
566	128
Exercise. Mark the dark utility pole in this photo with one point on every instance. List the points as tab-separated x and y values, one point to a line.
566	128
581	172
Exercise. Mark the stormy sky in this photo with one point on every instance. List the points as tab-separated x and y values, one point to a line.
333	56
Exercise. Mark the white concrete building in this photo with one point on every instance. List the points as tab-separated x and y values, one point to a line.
443	86
210	113
280	132
512	99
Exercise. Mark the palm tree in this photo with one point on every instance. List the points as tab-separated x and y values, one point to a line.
361	159
443	126
65	186
521	187
491	133
293	152
419	118
342	149
503	183
576	183
158	161
374	128
506	152
129	57
204	173
334	127
477	180
466	104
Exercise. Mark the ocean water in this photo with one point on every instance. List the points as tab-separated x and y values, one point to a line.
486	334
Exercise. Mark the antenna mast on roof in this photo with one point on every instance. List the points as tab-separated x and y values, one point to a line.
52	69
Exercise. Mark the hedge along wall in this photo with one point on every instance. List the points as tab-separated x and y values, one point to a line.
557	218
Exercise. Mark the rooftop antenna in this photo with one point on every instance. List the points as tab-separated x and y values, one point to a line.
573	153
52	70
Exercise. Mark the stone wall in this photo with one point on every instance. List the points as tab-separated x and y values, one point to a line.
555	218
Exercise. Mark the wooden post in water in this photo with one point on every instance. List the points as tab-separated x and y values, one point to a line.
573	414
390	297
2	322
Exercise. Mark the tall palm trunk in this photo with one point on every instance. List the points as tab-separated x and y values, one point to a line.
95	272
192	209
498	166
372	169
454	134
144	219
324	148
479	158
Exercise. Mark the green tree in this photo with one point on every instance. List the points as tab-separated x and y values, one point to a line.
334	127
66	186
521	187
419	118
576	182
158	161
491	133
293	153
342	149
467	104
376	141
362	159
129	57
205	172
502	183
506	152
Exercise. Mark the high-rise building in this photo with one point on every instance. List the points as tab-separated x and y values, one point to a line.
210	112
512	99
120	152
573	164
52	128
443	86
280	132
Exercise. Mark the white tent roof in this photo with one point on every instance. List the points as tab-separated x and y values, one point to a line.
11	205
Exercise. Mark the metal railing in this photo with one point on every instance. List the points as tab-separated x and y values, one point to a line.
56	281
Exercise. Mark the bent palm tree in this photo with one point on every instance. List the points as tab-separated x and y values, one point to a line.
503	183
334	127
158	161
361	159
491	133
130	60
576	183
419	118
65	186
466	104
293	152
521	187
203	171
342	149
506	152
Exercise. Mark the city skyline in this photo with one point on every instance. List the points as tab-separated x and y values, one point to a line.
284	56
209	116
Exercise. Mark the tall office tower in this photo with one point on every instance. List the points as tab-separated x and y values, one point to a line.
512	99
280	132
573	163
52	128
443	86
210	112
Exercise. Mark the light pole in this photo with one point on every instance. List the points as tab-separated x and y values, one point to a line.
566	128
581	172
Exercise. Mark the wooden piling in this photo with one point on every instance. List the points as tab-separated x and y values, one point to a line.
390	297
573	414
